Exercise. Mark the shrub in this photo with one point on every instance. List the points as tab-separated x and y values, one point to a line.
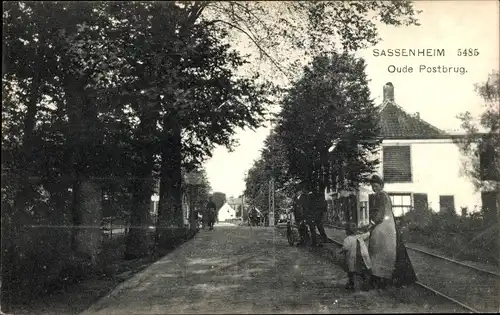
465	237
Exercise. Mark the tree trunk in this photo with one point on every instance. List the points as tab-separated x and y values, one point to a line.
8	257
11	218
137	238
25	163
325	171
87	195
192	192
170	205
29	120
87	213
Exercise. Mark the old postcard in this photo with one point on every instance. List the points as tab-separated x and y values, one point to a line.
239	157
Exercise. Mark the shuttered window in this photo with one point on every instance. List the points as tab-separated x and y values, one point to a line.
397	164
447	204
421	203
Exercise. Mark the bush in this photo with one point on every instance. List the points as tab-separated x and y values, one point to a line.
34	261
37	257
466	237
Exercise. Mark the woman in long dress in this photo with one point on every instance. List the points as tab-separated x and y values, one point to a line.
390	261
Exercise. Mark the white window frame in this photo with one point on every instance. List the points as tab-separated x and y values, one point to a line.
405	207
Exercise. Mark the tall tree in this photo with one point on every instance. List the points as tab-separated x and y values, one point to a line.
271	164
56	60
197	189
481	146
64	51
331	101
219	199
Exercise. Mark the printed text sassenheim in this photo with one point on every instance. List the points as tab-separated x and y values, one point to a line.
409	52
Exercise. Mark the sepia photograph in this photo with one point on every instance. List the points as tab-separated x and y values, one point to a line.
250	157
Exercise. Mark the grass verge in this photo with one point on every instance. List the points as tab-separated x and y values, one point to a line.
75	298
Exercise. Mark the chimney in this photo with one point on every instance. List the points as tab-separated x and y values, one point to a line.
388	92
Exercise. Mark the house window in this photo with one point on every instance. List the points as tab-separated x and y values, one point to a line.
489	201
420	202
397	164
401	204
447	204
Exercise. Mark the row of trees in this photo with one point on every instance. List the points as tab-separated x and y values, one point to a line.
110	96
196	188
105	95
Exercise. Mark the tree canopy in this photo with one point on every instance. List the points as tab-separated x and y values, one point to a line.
288	34
482	142
330	102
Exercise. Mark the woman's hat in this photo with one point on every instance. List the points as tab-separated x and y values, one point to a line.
377	179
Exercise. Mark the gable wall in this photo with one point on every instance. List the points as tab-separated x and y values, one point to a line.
436	170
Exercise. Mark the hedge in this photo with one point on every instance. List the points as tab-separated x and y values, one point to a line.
469	237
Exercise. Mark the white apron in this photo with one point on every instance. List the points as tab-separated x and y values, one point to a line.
351	244
382	246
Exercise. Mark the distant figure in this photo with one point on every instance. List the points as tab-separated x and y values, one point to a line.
250	217
390	261
259	219
254	217
357	262
211	212
199	220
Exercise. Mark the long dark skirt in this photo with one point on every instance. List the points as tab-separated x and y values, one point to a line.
211	219
403	274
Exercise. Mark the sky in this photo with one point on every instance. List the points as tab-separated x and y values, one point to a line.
437	97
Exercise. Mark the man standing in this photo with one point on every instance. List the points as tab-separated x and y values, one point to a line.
300	208
211	212
319	208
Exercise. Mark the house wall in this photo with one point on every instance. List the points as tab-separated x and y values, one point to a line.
226	212
436	170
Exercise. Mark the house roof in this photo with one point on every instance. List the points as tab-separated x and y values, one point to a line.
396	123
227	207
232	200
